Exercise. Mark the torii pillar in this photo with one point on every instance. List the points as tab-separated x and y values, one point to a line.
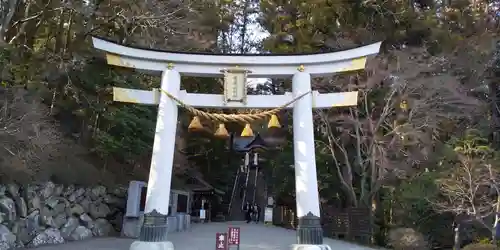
172	64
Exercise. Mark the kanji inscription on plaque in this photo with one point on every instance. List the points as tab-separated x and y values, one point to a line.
221	241
234	236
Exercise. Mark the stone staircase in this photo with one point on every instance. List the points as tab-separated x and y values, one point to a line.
254	192
261	194
235	211
232	200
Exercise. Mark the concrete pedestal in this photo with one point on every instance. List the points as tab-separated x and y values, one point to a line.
310	247
132	226
144	245
172	224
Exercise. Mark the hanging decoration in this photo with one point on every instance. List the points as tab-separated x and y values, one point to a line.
221	132
247	131
247	119
195	125
274	122
234	91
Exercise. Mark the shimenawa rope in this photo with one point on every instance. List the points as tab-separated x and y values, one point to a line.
243	118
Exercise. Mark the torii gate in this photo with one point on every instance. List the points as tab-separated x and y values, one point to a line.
173	64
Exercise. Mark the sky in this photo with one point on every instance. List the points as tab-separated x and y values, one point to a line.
258	34
255	32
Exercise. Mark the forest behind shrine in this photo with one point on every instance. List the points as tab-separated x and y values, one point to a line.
418	149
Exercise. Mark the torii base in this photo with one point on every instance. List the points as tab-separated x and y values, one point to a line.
310	247
309	234
153	234
145	245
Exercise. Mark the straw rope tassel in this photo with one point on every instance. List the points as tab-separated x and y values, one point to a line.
247	131
221	132
274	122
224	118
195	124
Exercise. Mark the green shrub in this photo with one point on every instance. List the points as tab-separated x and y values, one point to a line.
480	246
407	238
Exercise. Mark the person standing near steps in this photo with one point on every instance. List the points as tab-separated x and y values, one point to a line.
256	212
248	212
242	192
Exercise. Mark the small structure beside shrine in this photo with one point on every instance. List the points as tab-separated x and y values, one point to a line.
183	205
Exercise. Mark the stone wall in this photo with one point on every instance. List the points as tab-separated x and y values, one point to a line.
48	213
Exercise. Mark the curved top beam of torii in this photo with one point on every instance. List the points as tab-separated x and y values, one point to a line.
259	65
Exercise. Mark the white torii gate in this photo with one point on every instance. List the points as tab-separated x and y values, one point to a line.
173	64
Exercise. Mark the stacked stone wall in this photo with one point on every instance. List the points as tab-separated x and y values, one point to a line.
48	213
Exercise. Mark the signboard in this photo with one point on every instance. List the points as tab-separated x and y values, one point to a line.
202	214
268	214
221	241
136	198
234	236
270	200
235	89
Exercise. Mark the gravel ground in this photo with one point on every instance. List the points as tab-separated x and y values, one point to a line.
202	237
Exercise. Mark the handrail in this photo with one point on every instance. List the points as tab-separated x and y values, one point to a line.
236	180
247	169
255	184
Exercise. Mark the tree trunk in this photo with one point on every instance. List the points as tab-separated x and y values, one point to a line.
377	219
69	33
7	11
60	37
457	241
495	223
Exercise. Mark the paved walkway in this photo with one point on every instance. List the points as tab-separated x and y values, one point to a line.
202	237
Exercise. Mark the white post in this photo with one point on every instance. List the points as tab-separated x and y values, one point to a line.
162	160
160	173
309	231
306	182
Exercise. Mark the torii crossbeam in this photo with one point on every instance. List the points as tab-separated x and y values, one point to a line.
173	64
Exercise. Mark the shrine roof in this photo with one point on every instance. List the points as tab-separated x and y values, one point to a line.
243	144
192	182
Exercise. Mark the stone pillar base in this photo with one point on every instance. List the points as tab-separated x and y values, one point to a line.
144	245
309	230
309	247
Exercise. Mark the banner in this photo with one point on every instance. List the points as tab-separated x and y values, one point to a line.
268	214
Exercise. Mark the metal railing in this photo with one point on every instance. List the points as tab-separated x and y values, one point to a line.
236	181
